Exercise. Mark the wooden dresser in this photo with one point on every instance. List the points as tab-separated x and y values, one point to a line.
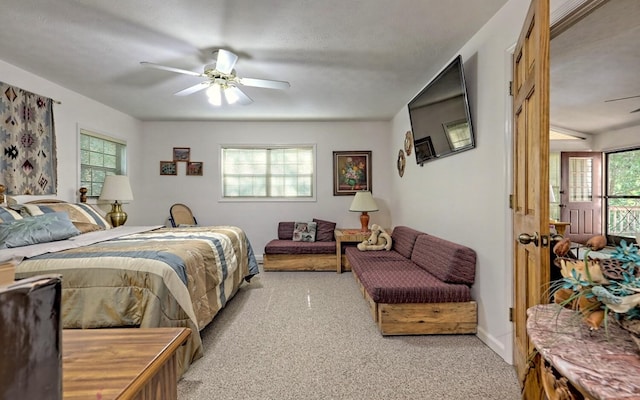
128	363
574	362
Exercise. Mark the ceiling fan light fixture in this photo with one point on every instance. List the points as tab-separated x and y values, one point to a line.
214	94
231	95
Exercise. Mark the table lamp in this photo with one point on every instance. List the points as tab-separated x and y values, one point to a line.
363	202
118	189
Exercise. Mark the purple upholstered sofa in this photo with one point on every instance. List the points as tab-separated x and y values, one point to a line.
421	286
284	254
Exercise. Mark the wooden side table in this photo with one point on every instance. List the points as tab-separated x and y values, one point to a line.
347	236
127	363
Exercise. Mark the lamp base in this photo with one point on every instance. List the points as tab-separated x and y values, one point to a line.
364	222
116	216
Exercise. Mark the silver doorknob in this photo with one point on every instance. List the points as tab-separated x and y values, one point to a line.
525	238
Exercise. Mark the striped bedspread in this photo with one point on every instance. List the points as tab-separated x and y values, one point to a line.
163	277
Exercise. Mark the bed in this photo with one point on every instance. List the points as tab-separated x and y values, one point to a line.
128	276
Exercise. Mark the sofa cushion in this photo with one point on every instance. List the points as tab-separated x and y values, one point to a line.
357	257
285	230
450	262
324	231
403	239
291	247
404	282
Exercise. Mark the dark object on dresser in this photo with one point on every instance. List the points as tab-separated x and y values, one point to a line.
30	339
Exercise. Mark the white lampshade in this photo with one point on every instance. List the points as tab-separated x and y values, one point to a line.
116	187
363	202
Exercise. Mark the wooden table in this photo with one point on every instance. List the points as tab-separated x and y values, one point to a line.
347	236
127	363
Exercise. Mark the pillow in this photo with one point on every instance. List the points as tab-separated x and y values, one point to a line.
304	232
324	233
8	215
38	229
79	212
285	230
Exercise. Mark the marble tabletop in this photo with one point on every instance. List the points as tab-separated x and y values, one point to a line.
603	363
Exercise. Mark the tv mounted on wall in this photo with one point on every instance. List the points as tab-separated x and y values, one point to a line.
440	117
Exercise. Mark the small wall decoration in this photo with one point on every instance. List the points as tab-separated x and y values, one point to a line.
194	168
408	142
181	154
168	168
402	161
351	172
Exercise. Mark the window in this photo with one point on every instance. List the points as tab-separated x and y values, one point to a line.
268	172
623	193
100	156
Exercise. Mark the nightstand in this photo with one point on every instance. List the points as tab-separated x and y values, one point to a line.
347	236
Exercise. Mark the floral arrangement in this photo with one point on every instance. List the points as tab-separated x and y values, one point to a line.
600	287
353	173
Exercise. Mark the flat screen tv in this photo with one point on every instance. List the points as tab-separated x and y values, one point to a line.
440	117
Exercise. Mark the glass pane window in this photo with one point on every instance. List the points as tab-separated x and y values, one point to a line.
580	175
268	172
100	156
623	193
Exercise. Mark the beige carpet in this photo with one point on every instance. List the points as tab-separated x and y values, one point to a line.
309	335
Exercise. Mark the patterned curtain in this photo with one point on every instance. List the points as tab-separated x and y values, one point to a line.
28	162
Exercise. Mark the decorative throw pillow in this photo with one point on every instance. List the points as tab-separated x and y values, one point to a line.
304	232
39	229
285	230
8	215
324	233
79	212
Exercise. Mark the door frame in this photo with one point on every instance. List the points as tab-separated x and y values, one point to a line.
561	18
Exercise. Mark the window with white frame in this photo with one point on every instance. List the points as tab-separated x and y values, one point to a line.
100	156
268	172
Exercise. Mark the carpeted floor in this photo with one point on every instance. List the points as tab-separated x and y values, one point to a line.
309	335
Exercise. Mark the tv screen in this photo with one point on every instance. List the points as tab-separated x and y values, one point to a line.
440	117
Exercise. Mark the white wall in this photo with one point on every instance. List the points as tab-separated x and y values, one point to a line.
259	219
77	110
617	140
464	197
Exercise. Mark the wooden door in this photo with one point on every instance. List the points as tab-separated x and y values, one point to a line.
581	194
530	201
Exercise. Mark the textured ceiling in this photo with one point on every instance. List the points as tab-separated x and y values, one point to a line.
596	60
345	59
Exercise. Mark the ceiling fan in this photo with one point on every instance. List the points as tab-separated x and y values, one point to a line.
625	98
222	80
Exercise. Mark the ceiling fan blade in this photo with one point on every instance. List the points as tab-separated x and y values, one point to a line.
171	69
234	95
226	61
621	98
264	83
192	89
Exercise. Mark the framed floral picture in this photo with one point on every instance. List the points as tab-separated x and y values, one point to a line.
351	172
194	168
168	168
181	154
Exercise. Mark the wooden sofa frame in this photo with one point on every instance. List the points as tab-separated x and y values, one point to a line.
299	262
422	318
